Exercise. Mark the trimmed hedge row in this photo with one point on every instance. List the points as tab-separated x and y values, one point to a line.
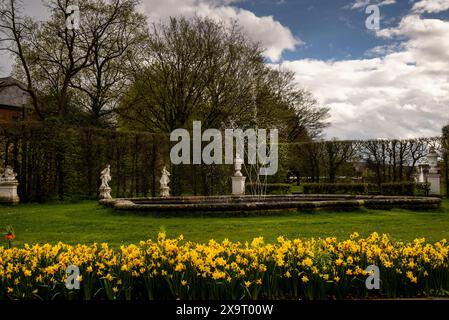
335	188
60	162
398	188
271	188
56	162
390	189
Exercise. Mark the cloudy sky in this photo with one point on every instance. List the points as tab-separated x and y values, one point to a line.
391	82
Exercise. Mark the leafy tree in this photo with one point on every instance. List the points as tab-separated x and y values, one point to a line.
101	84
73	75
194	69
445	145
200	69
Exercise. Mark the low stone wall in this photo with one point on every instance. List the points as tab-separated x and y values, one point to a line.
269	203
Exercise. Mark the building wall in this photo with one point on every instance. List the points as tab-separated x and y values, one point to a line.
10	115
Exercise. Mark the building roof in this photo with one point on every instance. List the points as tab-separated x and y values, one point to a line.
11	95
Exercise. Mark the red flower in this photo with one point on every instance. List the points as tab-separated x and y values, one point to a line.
10	236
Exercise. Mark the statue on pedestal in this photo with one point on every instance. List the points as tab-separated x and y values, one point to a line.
105	177
433	177
238	180
238	165
8	175
8	186
165	189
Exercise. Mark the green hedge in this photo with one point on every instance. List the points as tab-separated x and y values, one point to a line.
270	188
423	189
335	188
59	162
56	162
405	188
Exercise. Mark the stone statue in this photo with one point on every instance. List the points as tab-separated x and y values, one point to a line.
238	180
8	175
165	189
8	186
105	177
238	165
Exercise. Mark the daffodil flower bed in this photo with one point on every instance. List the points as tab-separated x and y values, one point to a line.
178	269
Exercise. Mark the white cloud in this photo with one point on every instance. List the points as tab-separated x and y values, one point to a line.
431	6
5	64
273	36
384	49
387	2
400	94
358	4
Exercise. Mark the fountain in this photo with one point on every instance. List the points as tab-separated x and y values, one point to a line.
238	202
268	203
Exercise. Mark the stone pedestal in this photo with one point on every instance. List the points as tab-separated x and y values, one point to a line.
8	192
105	193
238	185
165	192
434	180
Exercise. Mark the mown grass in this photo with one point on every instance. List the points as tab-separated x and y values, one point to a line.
87	222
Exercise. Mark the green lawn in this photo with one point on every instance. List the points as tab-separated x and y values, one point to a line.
88	222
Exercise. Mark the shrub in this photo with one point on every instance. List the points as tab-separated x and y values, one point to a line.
271	188
335	188
406	188
423	188
373	188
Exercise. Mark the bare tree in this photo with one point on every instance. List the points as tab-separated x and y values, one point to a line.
336	153
395	160
417	150
16	30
